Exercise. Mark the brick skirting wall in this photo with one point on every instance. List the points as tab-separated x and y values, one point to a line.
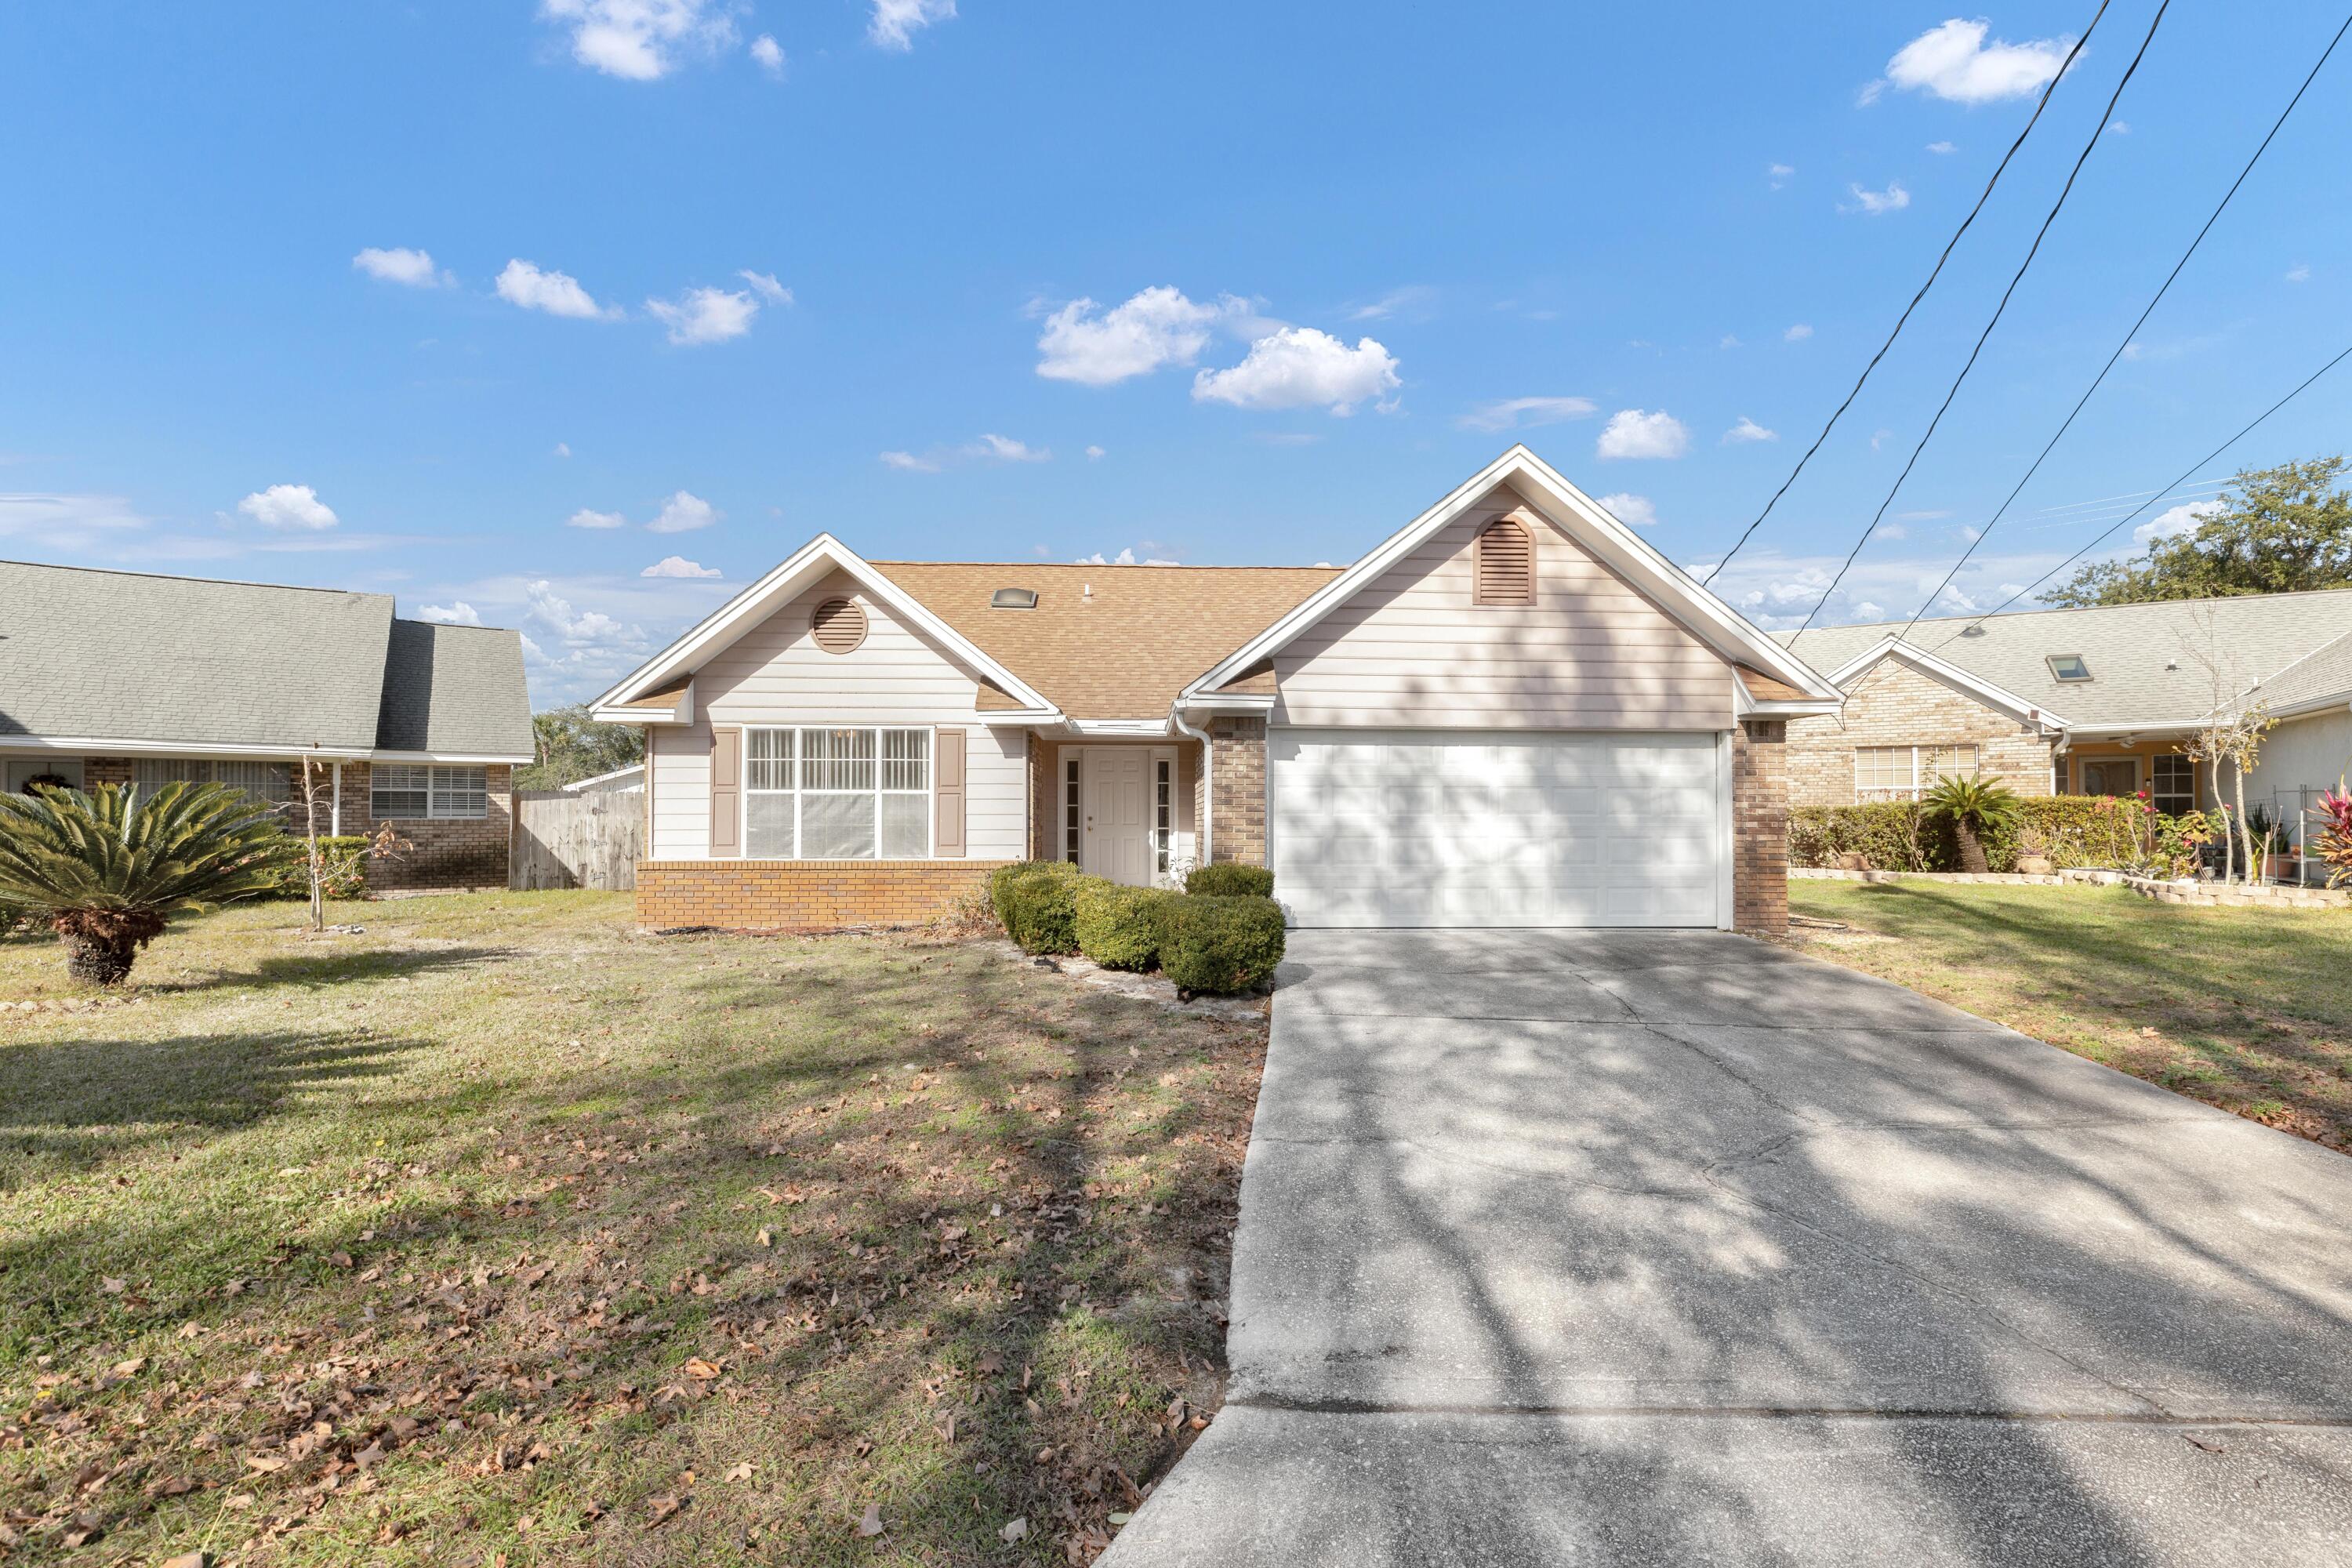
1237	790
1759	826
803	895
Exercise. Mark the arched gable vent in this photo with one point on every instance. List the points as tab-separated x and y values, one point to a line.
838	626
1505	564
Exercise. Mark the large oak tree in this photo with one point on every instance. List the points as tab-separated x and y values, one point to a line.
2277	530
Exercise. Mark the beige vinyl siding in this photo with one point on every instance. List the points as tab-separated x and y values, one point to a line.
1411	650
775	674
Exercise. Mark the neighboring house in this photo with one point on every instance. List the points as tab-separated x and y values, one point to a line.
1512	712
120	677
2082	702
620	781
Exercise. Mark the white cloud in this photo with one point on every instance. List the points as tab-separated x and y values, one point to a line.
705	315
2176	519
2298	273
1627	507
456	613
1521	413
1797	334
1004	449
1124	558
1636	433
1780	174
287	506
557	293
678	566
2118	128
907	462
1413	298
684	512
1870	612
1941	148
1094	452
1299	367
562	449
989	449
642	40
769	55
1890	531
1878	203
1748	430
1727	342
896	22
584	518
769	288
545	607
62	521
1955	63
1156	327
410	269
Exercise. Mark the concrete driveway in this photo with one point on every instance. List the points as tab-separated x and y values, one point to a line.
1678	1247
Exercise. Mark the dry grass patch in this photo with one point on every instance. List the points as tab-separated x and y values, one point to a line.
500	1234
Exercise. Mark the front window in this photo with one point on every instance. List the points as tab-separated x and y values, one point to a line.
270	782
828	793
420	793
1070	811
1905	772
2172	785
2110	775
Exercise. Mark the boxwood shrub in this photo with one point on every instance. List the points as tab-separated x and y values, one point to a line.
1118	926
1036	902
1903	836
1227	881
1218	945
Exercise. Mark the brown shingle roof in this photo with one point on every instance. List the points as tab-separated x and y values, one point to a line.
1765	688
663	699
1124	653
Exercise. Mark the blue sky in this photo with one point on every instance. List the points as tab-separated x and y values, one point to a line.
1231	285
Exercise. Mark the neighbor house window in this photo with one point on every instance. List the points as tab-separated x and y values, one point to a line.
1905	772
2172	784
422	793
831	793
2110	775
270	782
1070	811
1163	810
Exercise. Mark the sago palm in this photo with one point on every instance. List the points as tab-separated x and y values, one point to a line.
108	870
1976	807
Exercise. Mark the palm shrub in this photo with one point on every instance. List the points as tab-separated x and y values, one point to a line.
108	870
1976	807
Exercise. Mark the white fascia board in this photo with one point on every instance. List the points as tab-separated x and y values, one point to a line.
1016	718
1729	634
1154	727
1789	709
810	563
680	712
470	758
110	745
1228	702
1943	669
2150	727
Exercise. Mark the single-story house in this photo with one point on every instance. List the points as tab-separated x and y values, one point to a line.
1513	712
629	780
123	676
2082	702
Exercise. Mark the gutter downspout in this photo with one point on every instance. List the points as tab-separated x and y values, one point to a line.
1208	775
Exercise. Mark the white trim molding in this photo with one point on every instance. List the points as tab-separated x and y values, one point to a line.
110	746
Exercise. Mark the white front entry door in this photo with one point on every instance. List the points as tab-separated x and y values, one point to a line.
1420	827
1115	802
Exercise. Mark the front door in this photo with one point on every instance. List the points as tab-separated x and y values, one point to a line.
1116	814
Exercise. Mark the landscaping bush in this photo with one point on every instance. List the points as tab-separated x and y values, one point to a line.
1227	881
1905	836
1038	904
1219	944
1004	877
347	863
1118	927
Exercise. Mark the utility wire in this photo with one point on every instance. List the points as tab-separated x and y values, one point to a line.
2193	467
1948	244
2098	133
2133	330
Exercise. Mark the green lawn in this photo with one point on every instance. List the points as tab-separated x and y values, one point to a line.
2247	1009
498	1234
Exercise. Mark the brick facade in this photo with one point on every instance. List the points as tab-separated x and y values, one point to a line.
1237	790
1759	826
1891	704
1042	796
803	895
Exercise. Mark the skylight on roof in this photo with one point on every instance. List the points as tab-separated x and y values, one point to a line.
2069	667
1014	599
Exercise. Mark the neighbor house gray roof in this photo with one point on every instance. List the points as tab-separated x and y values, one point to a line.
126	656
2144	660
2324	676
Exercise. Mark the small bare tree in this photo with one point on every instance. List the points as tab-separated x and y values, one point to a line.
317	777
2230	732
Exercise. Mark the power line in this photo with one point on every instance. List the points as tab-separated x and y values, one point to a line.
1948	244
2133	330
2098	133
2193	467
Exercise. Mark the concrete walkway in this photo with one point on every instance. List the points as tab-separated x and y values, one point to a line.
1675	1247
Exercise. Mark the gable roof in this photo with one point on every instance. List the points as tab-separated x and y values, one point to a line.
1128	649
1714	623
2319	679
126	656
2142	657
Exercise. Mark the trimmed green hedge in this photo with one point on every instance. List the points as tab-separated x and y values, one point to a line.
1227	881
1904	836
1118	926
1220	945
1037	900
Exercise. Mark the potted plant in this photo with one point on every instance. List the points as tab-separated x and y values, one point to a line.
1976	807
2270	835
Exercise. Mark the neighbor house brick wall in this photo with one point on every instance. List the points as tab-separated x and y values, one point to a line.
1759	826
97	770
1044	817
469	852
1891	704
803	895
1237	790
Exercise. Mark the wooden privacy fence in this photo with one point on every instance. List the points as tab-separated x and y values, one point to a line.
567	840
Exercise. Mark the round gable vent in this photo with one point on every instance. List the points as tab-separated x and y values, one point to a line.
839	626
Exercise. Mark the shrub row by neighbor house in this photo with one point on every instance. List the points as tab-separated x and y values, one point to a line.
1216	942
347	862
1905	836
1226	879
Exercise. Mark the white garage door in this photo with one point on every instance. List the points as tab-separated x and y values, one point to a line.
1420	827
